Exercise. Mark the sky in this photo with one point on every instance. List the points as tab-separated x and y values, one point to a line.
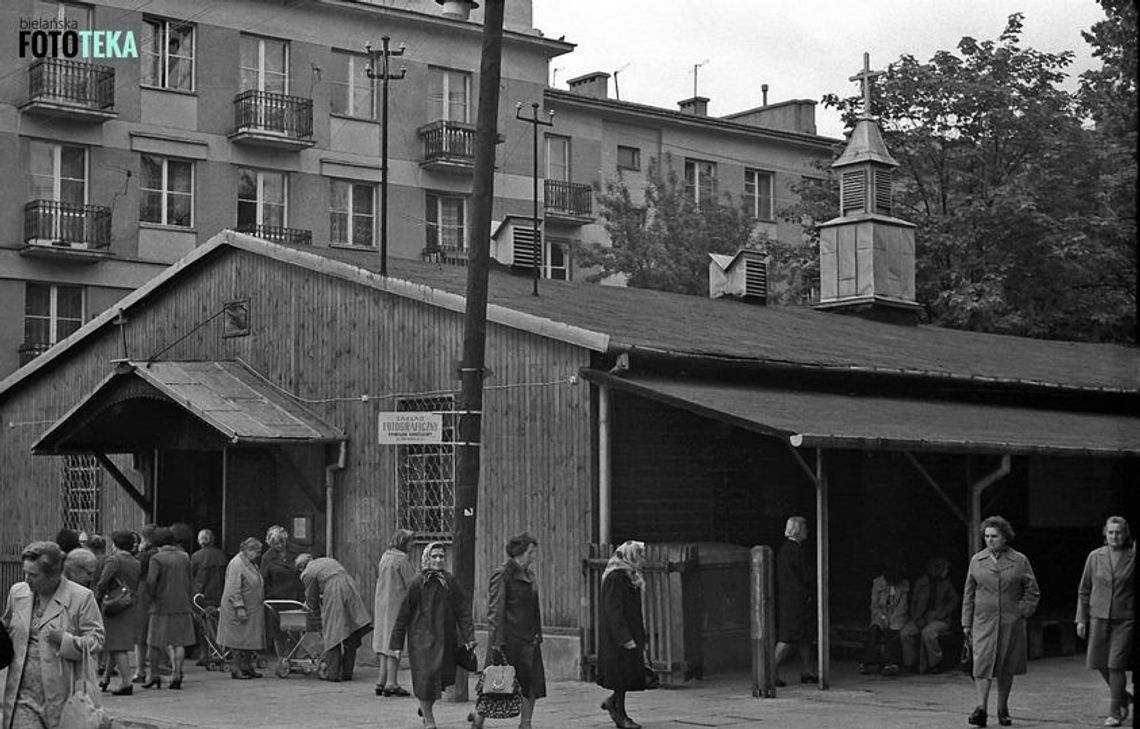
801	49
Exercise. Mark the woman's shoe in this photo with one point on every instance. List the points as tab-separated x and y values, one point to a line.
615	715
176	683
978	717
240	676
474	723
809	678
395	691
627	723
1112	721
138	679
104	684
780	683
127	690
1003	718
155	682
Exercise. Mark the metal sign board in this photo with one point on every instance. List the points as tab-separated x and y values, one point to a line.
410	428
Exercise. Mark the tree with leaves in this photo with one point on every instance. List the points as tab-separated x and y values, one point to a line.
663	243
1007	188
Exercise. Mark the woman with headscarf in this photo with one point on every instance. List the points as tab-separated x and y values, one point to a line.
435	617
53	624
393	575
170	627
241	614
332	592
120	571
1106	612
1000	593
621	638
514	625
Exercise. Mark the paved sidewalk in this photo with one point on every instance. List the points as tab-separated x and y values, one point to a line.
1057	693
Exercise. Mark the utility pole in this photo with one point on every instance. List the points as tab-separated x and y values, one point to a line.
475	327
696	67
384	53
535	122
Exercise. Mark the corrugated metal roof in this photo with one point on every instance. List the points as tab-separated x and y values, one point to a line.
226	396
821	419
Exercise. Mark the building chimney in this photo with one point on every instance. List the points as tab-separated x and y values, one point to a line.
697	106
457	9
595	85
763	94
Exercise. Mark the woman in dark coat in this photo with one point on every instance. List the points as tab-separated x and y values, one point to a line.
170	627
1000	593
795	625
514	625
120	568
621	638
435	618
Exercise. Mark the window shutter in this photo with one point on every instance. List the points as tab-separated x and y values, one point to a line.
756	280
854	191
525	247
883	192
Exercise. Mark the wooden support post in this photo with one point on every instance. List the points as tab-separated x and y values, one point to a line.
822	541
124	482
763	611
604	455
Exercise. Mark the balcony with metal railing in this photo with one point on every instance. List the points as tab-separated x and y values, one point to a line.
568	202
279	234
268	119
30	350
67	89
66	231
448	146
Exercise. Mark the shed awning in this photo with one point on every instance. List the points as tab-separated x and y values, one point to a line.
866	422
132	405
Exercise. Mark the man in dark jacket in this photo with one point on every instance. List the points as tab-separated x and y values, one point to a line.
934	605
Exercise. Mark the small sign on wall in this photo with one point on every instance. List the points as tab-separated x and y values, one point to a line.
410	428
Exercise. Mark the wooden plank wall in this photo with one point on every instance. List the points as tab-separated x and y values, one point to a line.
330	341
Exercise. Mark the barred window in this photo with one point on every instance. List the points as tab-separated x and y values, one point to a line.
82	490
425	474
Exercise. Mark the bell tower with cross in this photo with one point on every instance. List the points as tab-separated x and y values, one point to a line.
866	255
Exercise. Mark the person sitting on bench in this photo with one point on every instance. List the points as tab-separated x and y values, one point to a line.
934	605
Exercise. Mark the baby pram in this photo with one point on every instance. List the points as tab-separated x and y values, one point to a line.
298	643
216	656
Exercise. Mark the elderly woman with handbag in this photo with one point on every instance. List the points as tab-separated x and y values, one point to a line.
55	625
514	625
622	639
241	614
170	627
116	592
435	617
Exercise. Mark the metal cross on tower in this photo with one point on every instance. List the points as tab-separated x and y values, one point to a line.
864	77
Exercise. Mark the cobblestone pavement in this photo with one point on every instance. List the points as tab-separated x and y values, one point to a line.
1057	693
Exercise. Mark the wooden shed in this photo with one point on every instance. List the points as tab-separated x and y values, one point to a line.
245	386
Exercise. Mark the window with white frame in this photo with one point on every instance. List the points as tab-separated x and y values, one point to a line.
449	92
556	262
264	64
628	158
59	172
446	217
700	179
75	15
758	194
351	92
262	196
167	187
167	54
425	474
352	213
557	158
51	312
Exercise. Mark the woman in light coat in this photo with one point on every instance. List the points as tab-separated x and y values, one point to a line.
241	616
1000	593
332	592
53	622
1106	612
393	575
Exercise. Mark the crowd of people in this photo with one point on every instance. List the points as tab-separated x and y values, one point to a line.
82	604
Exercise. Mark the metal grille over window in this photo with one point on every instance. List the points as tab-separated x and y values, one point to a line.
82	493
853	191
425	474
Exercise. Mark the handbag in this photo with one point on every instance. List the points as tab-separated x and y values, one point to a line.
118	599
465	658
7	650
649	675
82	709
966	661
498	680
497	705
